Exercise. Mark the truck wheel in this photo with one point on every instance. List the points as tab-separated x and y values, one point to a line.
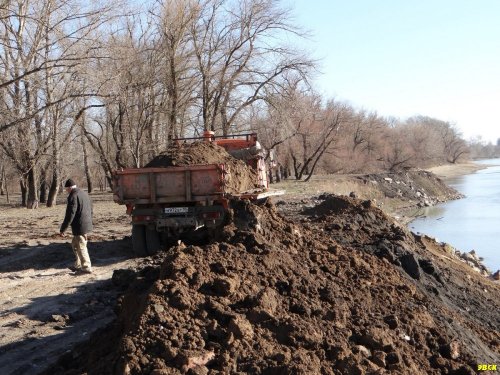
139	240
153	241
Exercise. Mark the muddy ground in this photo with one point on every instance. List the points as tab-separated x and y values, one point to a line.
315	284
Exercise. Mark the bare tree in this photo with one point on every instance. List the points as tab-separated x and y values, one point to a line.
280	120
360	144
479	148
7	176
240	54
454	146
397	153
130	126
83	143
317	133
43	46
175	49
41	39
435	141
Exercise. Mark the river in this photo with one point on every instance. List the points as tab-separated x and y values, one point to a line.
472	223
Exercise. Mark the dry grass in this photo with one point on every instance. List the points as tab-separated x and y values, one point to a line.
335	184
341	185
455	170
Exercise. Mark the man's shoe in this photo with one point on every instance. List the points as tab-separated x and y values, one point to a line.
74	269
82	271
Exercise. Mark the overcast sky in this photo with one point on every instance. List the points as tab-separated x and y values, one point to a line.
438	58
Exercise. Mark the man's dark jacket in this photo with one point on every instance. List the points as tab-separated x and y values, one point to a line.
78	213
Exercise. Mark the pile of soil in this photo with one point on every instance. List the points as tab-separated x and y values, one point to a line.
341	290
239	176
418	187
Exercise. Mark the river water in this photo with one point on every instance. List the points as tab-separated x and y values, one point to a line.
472	223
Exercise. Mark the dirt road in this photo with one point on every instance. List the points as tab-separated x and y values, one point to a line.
45	309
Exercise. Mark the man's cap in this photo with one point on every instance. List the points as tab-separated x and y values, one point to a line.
69	183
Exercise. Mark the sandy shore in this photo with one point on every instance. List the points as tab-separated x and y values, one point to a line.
455	170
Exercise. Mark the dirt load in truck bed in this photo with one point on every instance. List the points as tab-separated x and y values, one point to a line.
241	177
340	289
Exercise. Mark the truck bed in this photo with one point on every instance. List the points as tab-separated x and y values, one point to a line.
169	184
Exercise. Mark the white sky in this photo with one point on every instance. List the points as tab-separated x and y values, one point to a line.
438	58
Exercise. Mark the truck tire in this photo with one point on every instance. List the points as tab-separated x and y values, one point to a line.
139	240
153	241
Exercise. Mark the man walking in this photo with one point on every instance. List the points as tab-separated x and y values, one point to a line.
79	216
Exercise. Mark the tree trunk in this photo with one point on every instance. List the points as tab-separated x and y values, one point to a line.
2	182
54	189
224	122
109	179
43	186
298	168
279	173
286	171
305	163
7	192
85	157
174	96
54	184
90	186
22	184
43	191
32	188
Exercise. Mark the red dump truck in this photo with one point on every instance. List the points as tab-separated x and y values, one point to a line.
165	202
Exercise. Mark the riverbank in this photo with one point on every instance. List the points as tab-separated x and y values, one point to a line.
469	224
405	196
401	194
455	170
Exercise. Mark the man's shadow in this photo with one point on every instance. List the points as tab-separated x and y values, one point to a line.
60	255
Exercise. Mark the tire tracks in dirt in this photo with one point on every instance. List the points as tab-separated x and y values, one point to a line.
45	310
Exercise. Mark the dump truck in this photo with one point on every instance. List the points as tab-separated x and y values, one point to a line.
166	202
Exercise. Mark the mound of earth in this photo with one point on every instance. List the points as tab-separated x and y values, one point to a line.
341	290
239	176
418	186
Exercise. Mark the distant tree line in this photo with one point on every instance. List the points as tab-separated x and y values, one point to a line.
311	135
479	149
87	87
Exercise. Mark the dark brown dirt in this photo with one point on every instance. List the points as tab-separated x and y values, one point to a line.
239	177
341	289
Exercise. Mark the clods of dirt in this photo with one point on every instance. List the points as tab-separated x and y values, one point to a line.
325	293
239	176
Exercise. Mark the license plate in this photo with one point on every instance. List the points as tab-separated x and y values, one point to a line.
176	210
